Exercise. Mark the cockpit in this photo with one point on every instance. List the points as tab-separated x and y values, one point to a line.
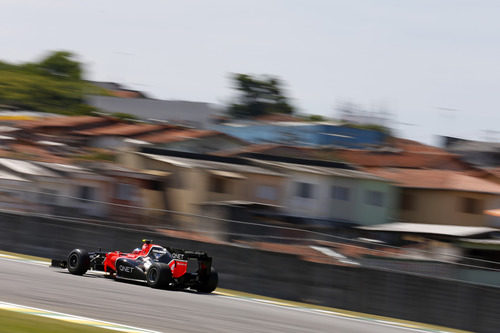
159	253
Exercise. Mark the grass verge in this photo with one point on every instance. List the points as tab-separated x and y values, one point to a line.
24	256
14	322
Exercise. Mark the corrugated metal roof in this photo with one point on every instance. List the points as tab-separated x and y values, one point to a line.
435	229
227	174
63	167
212	165
325	171
26	168
9	176
177	135
198	113
121	129
63	121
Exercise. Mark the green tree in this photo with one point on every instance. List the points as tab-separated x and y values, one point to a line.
61	64
53	85
316	117
258	96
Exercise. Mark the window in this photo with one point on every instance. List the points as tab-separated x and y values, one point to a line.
340	193
374	198
218	185
471	206
304	190
86	193
155	185
407	201
124	191
267	192
48	197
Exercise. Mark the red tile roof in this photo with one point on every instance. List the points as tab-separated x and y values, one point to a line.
177	135
19	150
414	146
64	121
122	130
405	154
494	171
436	179
402	159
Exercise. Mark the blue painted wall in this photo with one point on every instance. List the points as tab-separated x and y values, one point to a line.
305	135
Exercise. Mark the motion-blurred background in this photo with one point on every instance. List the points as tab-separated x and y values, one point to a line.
353	145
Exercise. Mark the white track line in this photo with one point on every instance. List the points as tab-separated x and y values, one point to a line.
73	319
387	323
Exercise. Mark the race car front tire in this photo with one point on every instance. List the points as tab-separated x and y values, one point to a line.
78	262
209	283
158	276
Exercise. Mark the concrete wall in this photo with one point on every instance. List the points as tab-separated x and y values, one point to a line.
445	207
412	297
368	214
355	209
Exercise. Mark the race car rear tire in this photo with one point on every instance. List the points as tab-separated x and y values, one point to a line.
78	262
209	284
158	276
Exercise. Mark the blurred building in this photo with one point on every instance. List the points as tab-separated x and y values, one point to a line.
302	189
332	191
193	140
132	195
443	196
186	113
197	179
57	188
479	153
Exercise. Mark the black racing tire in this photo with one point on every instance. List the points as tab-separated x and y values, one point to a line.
78	262
209	283
158	276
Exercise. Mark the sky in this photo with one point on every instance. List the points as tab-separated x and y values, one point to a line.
433	64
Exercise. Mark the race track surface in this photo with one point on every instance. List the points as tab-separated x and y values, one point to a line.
96	297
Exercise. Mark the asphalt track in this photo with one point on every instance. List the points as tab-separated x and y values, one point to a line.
94	296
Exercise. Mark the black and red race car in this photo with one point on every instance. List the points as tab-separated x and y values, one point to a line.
158	266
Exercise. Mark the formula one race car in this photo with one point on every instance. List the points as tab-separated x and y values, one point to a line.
158	266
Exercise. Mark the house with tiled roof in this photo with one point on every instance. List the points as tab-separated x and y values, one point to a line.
112	136
397	153
196	180
399	158
443	196
65	124
331	191
193	140
55	188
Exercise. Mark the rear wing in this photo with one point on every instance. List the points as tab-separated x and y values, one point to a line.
204	260
187	254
